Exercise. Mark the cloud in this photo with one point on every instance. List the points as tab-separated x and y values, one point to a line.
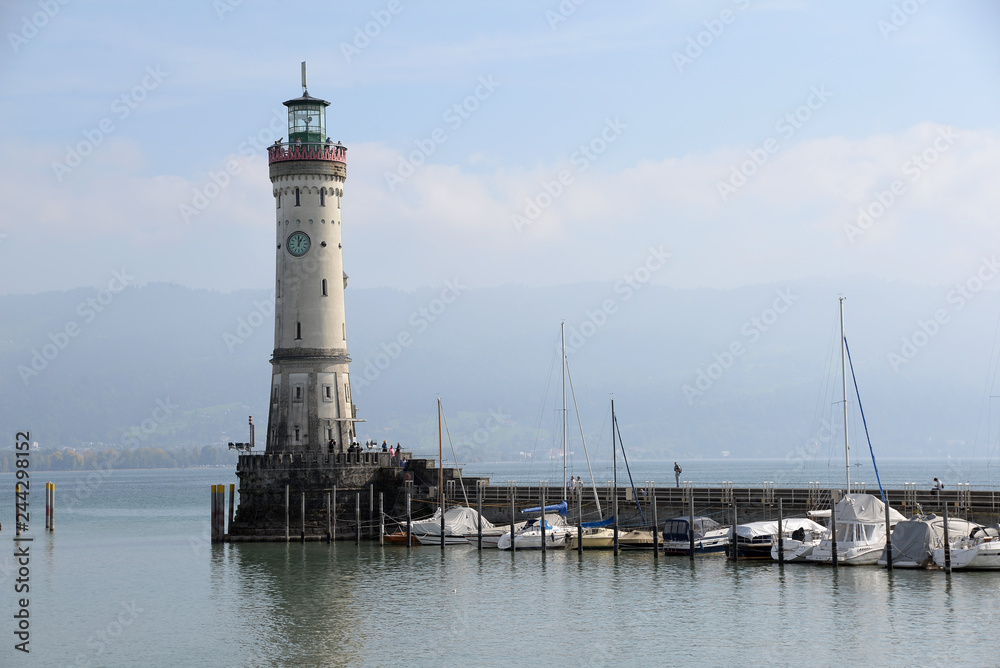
787	221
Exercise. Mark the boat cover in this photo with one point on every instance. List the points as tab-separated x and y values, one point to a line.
458	521
755	529
560	508
597	525
677	528
916	538
865	508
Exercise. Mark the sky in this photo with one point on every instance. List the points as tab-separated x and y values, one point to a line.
496	143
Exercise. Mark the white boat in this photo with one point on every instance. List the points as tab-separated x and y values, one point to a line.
860	522
709	536
914	541
458	522
799	546
755	540
491	536
980	551
530	536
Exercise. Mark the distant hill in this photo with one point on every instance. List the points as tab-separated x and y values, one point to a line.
693	372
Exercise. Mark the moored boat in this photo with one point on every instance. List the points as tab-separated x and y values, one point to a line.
860	521
914	541
709	536
980	551
755	540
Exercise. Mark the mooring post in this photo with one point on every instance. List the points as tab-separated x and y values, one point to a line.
947	542
691	521
302	535
381	521
287	536
329	517
48	509
52	511
579	519
357	518
409	520
541	493
371	504
781	528
511	494
733	543
833	529
656	530
212	521
888	536
232	504
333	532
441	503
479	515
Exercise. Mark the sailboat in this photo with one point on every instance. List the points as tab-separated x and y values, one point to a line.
860	523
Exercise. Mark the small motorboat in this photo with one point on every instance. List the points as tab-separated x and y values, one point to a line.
709	536
756	540
979	551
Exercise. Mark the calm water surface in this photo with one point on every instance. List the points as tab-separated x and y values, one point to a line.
129	579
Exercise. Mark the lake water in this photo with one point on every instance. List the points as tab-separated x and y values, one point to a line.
129	579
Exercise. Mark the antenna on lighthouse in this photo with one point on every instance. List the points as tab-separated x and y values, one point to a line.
305	91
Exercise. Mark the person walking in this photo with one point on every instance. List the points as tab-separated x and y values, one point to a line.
677	473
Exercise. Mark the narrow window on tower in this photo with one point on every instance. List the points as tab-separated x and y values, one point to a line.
324	287
296	197
298	393
298	331
343	330
278	200
296	434
277	288
338	202
322	196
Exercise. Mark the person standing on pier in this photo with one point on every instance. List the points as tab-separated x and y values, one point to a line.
677	473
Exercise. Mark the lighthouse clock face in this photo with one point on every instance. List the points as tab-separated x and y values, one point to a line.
298	244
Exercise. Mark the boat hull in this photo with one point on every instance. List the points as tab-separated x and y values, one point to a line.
796	551
982	557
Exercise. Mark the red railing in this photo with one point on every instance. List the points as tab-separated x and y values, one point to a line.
289	151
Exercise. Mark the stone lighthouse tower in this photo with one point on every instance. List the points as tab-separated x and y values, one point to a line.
310	408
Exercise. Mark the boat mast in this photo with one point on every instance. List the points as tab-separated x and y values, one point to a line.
440	461
843	369
562	331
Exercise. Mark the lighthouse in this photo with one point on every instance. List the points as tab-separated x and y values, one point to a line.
310	408
307	476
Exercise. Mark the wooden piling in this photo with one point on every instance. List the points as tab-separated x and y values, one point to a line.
656	530
691	521
833	530
479	513
329	517
409	520
734	545
381	521
781	536
52	510
47	508
512	493
333	521
286	515
302	534
579	519
232	504
542	521
947	542
357	518
213	522
888	537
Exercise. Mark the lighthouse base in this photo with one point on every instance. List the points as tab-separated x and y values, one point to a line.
276	488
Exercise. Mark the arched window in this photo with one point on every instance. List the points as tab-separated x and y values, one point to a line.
296	197
322	196
298	331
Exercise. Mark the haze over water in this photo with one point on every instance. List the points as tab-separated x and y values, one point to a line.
138	542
